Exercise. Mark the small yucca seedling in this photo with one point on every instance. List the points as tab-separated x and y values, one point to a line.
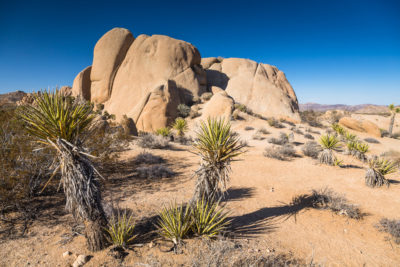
165	131
338	129
328	143
362	147
175	223
378	168
121	230
208	219
181	127
338	162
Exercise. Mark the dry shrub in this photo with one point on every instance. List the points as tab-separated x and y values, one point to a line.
183	110
391	227
287	122
248	128
311	149
155	171
153	141
309	136
371	140
283	139
275	123
257	136
262	131
148	158
311	118
224	253
284	152
327	199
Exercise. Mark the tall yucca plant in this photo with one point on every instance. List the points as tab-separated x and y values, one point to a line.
217	146
59	122
394	111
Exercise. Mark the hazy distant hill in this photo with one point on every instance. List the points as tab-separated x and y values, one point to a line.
11	98
364	108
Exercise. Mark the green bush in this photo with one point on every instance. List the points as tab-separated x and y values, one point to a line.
183	110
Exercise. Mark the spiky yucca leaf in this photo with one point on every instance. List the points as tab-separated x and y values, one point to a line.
362	147
338	129
338	162
383	166
175	223
349	137
180	125
330	142
208	219
120	229
55	116
165	131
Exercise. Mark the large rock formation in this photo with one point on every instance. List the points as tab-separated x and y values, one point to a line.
219	106
81	85
360	125
147	77
261	87
108	54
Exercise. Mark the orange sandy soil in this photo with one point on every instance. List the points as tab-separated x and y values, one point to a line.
260	191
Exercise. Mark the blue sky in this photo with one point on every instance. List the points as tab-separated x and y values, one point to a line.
331	51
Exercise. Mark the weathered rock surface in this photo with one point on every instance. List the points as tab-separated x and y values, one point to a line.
219	106
361	126
261	87
109	53
82	84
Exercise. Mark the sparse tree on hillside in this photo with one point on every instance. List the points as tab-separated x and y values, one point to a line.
59	122
217	146
393	110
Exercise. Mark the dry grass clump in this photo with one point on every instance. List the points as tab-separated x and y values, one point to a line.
283	152
155	171
371	140
309	130
311	149
391	227
309	136
283	139
275	123
248	128
258	136
148	158
227	253
153	141
287	122
328	199
262	131
297	130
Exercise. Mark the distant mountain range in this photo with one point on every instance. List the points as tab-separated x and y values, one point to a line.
363	108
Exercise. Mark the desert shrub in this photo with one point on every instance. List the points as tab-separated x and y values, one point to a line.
391	227
275	123
309	136
248	128
283	139
287	122
309	130
296	130
262	131
378	168
153	141
121	229
311	149
371	140
164	131
206	96
240	107
183	110
384	133
335	116
181	127
175	223
154	171
327	199
258	136
311	118
284	152
148	158
208	219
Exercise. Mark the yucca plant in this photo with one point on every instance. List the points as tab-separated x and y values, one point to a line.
164	131
337	162
121	229
208	218
175	223
59	122
338	129
181	127
361	150
378	168
394	111
217	146
329	143
349	137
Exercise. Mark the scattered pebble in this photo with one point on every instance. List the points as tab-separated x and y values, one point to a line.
80	261
66	254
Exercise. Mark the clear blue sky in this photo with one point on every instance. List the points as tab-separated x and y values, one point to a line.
331	51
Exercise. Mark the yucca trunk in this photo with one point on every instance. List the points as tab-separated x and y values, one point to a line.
391	124
375	179
326	157
82	191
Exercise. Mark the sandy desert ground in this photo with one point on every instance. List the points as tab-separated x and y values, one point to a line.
260	191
